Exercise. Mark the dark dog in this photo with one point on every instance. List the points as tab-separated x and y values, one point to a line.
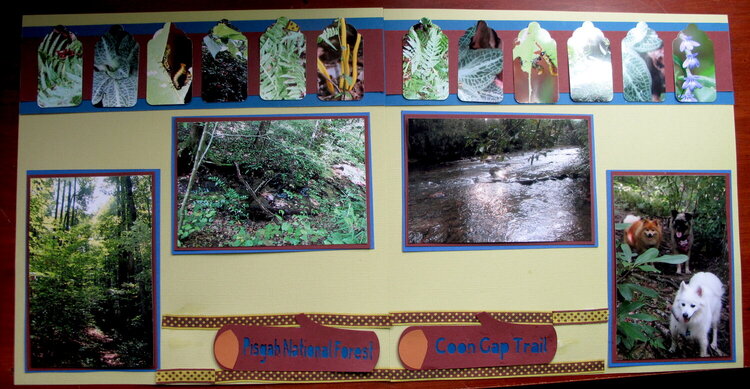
681	225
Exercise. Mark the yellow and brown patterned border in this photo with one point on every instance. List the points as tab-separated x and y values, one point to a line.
202	376
283	320
590	316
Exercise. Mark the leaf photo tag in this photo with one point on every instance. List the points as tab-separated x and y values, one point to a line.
493	343
282	62
643	65
694	66
116	57
309	347
60	74
535	77
425	62
480	65
340	63
170	67
224	64
590	62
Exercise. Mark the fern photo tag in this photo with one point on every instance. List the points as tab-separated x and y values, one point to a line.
643	65
60	64
694	66
116	57
590	62
282	62
170	67
480	65
340	63
224	64
535	77
425	62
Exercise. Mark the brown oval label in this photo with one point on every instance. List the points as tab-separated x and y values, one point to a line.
310	347
493	343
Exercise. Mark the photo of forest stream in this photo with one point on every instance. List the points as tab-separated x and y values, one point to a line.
259	183
498	180
90	272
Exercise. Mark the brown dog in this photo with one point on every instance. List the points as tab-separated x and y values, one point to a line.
643	233
681	225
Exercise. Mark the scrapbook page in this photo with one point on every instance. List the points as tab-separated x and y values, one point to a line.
345	195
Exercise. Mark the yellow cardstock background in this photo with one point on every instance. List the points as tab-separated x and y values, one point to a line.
384	279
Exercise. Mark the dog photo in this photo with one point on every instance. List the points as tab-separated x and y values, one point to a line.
671	260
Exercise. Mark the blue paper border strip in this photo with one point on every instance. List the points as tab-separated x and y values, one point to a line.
247	250
498	246
552	25
611	275
156	248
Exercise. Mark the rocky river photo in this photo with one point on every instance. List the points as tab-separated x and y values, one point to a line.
516	194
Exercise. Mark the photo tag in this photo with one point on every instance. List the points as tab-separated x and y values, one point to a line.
224	64
282	62
340	63
170	67
480	65
590	62
60	64
643	65
694	66
535	77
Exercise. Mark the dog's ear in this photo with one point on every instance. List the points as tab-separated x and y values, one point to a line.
688	216
683	285
699	292
674	213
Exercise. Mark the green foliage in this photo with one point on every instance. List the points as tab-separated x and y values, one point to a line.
633	322
531	41
289	165
637	78
196	220
477	71
116	69
702	195
439	140
425	64
534	47
224	64
282	62
90	281
60	61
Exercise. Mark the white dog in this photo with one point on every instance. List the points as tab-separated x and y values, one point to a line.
696	310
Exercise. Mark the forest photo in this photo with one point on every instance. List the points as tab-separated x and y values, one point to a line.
670	233
498	179
262	183
91	271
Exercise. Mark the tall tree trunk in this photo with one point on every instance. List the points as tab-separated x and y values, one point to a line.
200	153
66	221
57	197
75	196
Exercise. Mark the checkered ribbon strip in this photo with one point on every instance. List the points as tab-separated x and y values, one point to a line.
201	376
216	322
385	321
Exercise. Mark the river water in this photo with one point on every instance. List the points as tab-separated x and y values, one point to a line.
501	200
